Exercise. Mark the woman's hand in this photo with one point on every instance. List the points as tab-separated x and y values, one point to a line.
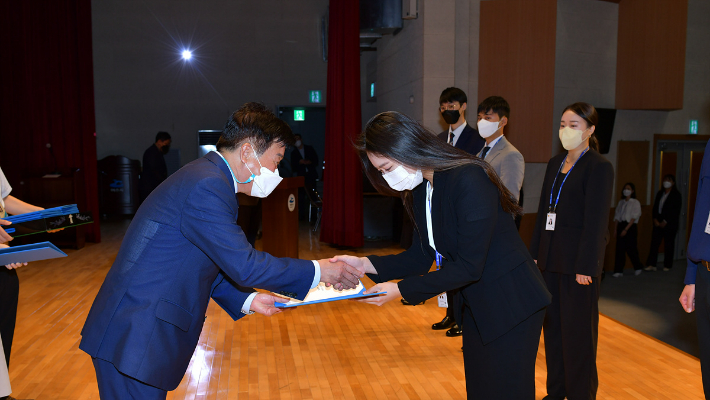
623	233
13	265
391	288
584	279
361	263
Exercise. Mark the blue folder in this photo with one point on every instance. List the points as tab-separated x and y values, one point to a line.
305	301
30	252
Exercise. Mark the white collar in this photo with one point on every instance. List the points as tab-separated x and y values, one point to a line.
457	131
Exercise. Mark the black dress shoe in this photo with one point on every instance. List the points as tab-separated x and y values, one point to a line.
445	323
454	331
550	397
406	303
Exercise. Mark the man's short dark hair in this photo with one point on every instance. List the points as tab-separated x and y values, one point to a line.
162	136
256	124
495	104
297	134
451	94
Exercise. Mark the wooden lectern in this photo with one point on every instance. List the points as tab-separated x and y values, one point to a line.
279	219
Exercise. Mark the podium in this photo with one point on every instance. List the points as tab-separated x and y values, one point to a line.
279	219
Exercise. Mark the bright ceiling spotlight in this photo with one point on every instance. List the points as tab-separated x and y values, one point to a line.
186	54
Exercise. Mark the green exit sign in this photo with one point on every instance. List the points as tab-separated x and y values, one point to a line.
299	115
693	129
315	96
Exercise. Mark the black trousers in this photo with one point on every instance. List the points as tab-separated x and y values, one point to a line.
9	294
627	244
668	236
504	368
702	313
571	330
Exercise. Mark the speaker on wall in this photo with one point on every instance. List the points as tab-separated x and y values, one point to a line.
604	128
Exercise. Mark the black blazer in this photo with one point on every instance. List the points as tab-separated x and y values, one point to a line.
577	244
309	171
469	141
671	209
155	171
484	255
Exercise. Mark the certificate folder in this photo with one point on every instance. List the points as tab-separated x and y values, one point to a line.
324	294
29	252
30	227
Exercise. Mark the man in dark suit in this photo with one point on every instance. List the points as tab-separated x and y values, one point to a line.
304	162
452	105
666	218
155	171
184	247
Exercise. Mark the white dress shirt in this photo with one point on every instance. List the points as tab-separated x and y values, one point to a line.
457	133
490	146
628	210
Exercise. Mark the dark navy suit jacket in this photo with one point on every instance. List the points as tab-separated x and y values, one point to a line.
469	141
183	247
484	255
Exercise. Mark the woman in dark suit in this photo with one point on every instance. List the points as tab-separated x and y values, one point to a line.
462	216
666	215
568	243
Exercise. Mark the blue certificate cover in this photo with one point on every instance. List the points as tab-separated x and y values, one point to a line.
324	294
30	252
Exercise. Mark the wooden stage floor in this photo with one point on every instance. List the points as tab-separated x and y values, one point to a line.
342	350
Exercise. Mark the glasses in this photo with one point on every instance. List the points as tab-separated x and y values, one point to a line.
449	106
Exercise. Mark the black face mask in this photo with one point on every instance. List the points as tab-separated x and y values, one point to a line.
165	149
451	116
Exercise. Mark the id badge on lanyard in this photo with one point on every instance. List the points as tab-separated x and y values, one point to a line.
441	299
551	214
707	225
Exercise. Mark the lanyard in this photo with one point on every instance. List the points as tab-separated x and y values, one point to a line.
552	191
439	257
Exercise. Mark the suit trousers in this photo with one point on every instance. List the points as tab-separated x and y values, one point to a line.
702	312
9	294
114	385
668	236
504	368
571	330
627	244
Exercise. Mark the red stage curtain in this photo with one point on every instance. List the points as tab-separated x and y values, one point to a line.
342	197
47	94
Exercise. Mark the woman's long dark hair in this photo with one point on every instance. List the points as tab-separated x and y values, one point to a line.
589	114
398	137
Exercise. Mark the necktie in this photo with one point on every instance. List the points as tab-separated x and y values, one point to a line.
451	138
485	151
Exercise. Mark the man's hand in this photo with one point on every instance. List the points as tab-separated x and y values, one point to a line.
339	274
584	279
264	304
4	236
391	288
361	263
687	298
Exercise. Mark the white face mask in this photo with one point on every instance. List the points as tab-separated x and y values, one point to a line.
487	128
265	183
667	184
399	179
298	143
571	138
627	192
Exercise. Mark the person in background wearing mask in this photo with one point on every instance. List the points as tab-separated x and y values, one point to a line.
697	273
506	160
462	213
626	218
155	171
666	215
452	105
184	247
568	243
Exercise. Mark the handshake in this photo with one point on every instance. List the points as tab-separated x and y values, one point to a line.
342	272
